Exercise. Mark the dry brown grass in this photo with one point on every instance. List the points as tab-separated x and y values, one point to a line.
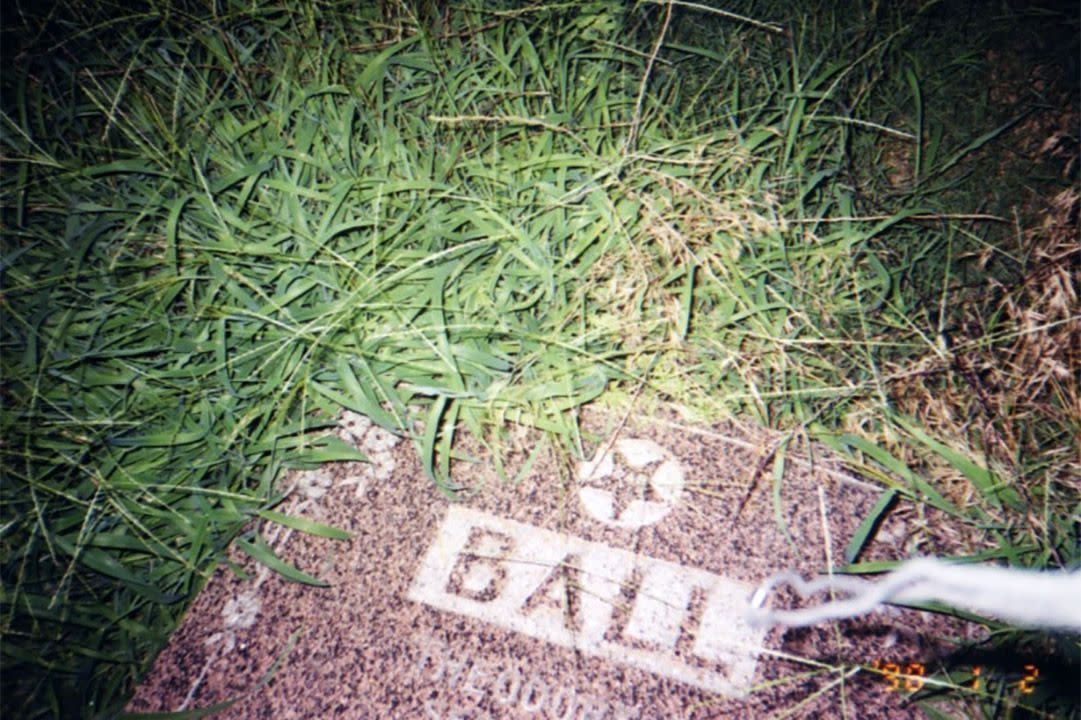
1008	384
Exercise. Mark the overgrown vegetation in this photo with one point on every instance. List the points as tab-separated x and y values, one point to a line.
223	222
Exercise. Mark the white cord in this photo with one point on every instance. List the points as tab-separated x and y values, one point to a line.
1026	598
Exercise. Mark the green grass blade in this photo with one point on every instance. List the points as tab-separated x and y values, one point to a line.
305	525
265	555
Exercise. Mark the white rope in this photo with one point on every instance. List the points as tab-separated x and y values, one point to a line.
1026	598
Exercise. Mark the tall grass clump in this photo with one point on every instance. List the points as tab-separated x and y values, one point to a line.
224	222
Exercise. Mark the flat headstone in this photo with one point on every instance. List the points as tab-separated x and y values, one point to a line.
611	588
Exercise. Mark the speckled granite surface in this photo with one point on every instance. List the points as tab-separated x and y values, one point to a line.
604	590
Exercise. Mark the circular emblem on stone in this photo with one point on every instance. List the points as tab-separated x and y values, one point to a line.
633	483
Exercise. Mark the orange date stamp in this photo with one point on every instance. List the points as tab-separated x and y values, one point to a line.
911	677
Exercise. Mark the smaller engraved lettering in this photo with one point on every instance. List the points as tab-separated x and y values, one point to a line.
467	685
